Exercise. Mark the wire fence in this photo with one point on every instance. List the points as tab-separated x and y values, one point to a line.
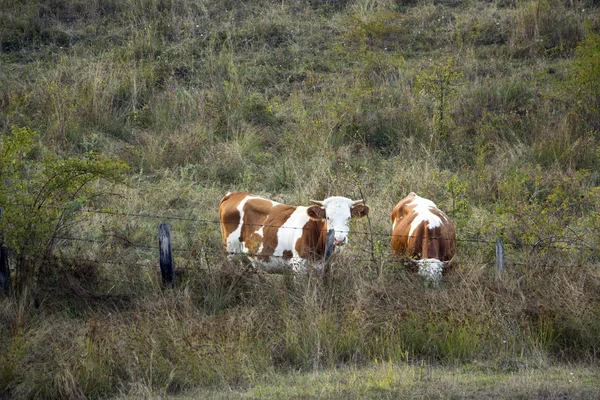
461	236
472	239
111	247
218	253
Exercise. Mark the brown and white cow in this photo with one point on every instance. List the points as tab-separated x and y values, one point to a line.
280	237
424	233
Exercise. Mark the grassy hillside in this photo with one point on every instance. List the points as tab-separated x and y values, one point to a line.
115	115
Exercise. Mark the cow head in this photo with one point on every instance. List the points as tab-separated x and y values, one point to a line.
337	211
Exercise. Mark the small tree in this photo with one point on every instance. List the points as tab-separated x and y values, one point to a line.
438	86
583	83
39	192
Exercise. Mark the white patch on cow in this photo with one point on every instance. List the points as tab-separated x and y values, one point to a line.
431	270
423	211
233	244
289	233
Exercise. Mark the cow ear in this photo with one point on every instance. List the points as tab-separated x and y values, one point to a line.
360	210
316	212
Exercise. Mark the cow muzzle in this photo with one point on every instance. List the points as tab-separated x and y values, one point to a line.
341	242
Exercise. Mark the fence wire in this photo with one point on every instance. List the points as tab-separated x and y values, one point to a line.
221	253
217	222
471	238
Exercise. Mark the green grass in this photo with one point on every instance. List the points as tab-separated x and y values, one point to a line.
384	380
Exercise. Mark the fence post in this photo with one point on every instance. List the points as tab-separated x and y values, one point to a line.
370	238
330	244
166	255
500	266
4	268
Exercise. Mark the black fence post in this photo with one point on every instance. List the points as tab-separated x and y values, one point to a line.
166	255
500	265
330	244
4	268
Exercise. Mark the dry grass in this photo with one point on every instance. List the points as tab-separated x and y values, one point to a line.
233	329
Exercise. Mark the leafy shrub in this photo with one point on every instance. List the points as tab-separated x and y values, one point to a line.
537	213
39	193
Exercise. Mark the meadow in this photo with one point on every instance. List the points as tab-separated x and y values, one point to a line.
117	115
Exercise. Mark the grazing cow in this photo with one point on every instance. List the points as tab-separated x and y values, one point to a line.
281	237
424	233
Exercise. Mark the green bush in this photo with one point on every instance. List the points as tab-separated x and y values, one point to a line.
38	194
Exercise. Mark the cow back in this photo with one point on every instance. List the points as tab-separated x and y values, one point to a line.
421	230
266	228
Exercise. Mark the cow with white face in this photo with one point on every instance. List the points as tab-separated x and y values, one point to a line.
280	237
424	233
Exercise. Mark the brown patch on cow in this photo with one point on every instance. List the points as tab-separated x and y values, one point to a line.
229	216
311	244
260	224
446	237
403	216
255	213
287	255
402	210
225	197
